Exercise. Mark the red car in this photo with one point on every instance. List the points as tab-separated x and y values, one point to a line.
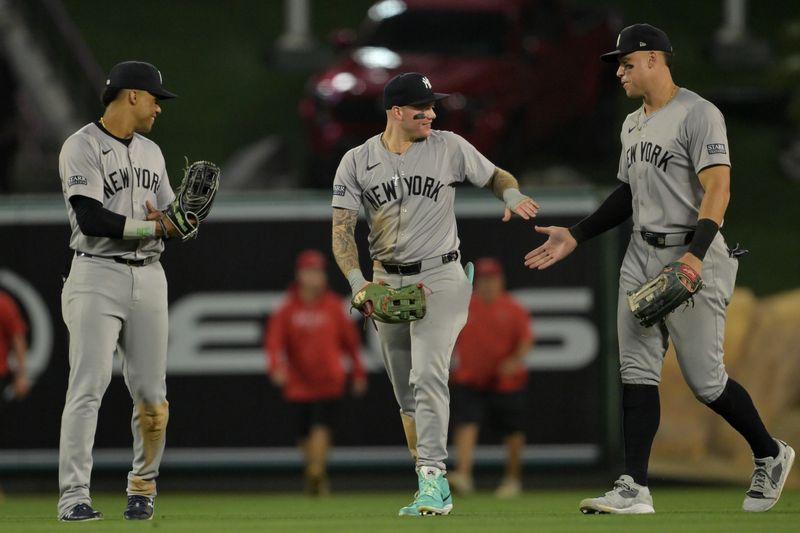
518	72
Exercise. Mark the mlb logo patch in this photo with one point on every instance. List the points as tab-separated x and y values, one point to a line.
717	148
76	180
339	190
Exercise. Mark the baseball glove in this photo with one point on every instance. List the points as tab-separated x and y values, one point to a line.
656	298
385	304
193	201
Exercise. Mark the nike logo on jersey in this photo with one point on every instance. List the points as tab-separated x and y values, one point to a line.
647	152
631	129
371	167
106	151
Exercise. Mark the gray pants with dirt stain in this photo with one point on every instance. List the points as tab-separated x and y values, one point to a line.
108	306
417	354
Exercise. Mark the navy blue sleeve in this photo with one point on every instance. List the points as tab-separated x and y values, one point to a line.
614	210
95	220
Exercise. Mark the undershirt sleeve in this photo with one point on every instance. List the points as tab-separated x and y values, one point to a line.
95	220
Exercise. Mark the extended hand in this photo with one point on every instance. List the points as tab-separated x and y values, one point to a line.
527	209
559	244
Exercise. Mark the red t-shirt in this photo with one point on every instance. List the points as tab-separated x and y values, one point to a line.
491	335
11	325
308	339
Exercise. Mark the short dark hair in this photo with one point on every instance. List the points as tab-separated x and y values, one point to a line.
109	95
667	59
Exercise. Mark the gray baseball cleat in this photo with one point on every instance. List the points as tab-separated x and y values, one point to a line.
626	497
768	479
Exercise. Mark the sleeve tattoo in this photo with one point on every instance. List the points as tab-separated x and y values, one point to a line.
344	239
500	181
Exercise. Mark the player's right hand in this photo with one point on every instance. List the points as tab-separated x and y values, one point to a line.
155	214
559	244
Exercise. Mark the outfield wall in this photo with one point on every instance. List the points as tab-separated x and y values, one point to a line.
223	286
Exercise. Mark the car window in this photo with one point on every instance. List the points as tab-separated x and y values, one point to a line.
440	31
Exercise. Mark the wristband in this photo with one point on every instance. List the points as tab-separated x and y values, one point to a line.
356	280
512	197
703	237
138	229
164	232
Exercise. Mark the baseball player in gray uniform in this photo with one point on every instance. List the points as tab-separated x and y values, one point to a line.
675	174
404	178
115	182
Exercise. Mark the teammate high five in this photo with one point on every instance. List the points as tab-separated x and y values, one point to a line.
675	174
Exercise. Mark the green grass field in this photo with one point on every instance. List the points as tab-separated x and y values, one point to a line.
678	509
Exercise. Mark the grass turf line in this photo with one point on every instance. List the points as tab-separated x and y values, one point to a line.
685	510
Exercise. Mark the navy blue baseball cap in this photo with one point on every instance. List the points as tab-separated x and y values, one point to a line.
138	75
638	37
409	88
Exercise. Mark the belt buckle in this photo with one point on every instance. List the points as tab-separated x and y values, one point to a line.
411	268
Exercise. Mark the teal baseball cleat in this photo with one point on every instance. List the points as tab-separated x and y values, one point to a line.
433	497
411	508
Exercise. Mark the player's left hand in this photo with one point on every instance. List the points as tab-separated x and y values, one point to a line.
693	261
526	209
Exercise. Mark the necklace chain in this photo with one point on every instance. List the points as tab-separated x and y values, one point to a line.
672	95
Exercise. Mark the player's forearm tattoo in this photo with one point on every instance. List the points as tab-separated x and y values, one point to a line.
344	239
500	181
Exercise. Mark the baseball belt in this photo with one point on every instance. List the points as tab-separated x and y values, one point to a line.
122	260
665	240
407	269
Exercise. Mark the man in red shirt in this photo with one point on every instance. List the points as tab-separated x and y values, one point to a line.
489	377
304	341
12	339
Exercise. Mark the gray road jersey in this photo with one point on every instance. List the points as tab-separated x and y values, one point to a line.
662	155
408	199
122	178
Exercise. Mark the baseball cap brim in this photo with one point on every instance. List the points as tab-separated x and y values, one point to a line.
159	92
436	98
613	57
162	93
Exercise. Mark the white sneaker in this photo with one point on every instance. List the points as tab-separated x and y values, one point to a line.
509	488
626	497
768	479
